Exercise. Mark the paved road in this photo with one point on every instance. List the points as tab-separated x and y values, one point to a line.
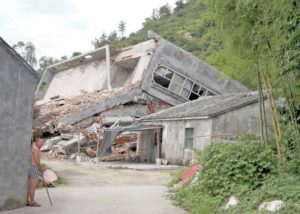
90	189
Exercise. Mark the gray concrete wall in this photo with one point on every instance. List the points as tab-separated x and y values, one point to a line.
241	120
173	138
146	147
17	85
179	60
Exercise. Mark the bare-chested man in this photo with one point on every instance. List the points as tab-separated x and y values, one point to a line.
33	172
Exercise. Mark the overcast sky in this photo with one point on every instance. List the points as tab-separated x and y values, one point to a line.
61	27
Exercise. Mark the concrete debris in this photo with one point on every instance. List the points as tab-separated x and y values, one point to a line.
95	137
164	162
72	157
69	146
45	148
90	152
272	206
120	120
50	143
66	136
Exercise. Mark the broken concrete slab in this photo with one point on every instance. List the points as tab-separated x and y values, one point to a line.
121	120
66	136
70	145
49	143
53	141
90	152
99	107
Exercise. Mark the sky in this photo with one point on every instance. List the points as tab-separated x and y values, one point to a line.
61	27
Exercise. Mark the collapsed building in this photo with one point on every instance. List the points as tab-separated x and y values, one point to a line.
108	87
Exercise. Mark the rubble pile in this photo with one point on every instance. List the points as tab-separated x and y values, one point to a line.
85	136
75	125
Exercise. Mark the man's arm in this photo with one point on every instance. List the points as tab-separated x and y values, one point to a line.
37	159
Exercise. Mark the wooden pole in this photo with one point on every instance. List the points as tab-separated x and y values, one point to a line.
48	193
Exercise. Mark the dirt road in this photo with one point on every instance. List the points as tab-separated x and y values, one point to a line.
99	189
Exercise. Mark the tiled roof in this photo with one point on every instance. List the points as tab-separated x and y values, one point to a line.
209	106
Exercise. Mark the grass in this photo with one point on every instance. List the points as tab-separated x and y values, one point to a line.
175	176
247	171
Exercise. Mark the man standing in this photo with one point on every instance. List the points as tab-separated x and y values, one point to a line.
33	172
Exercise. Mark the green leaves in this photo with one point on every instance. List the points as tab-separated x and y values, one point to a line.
232	164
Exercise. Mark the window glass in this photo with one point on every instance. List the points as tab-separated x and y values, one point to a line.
196	88
189	138
202	92
162	81
177	78
188	84
185	93
176	88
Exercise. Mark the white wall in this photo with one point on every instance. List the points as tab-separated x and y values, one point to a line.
86	77
174	135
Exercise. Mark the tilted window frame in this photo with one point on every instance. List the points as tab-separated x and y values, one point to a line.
183	85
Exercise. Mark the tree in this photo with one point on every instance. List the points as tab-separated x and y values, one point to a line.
113	37
101	41
76	53
164	11
155	14
27	51
122	27
179	4
29	54
62	58
45	62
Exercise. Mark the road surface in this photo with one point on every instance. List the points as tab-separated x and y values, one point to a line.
98	189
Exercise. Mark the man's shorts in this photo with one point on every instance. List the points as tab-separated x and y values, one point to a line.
33	172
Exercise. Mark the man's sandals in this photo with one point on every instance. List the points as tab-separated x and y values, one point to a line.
34	204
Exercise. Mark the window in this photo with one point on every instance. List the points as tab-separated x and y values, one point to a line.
179	84
189	138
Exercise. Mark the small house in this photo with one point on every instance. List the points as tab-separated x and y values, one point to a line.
194	125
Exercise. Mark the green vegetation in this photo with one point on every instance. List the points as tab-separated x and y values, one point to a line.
245	39
247	170
60	181
175	176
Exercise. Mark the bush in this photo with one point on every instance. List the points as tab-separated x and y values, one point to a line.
231	165
246	170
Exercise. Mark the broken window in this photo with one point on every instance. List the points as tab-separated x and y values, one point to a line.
179	84
202	92
176	88
189	138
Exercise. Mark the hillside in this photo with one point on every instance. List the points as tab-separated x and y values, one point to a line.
192	27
